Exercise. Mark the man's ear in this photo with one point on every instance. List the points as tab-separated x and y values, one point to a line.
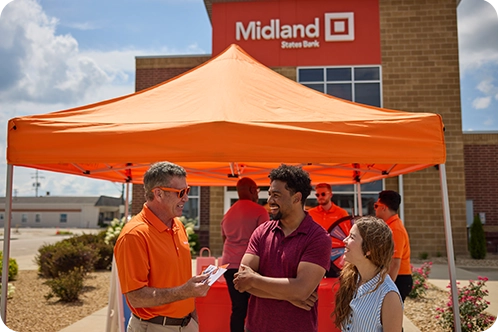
297	197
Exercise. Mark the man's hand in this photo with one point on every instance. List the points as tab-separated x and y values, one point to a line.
308	303
197	286
243	279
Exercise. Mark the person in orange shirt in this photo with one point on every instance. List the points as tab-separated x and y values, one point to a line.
326	213
153	257
400	271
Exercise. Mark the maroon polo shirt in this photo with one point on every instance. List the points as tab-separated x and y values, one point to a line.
279	257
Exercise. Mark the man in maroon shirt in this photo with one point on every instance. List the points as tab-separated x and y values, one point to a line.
286	259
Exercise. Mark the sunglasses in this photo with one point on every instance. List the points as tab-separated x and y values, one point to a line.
321	194
376	205
180	192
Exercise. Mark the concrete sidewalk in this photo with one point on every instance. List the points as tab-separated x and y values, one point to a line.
98	320
438	277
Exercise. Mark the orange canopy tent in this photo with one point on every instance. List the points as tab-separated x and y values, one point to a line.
227	118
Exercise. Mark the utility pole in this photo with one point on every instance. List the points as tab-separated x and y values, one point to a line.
36	184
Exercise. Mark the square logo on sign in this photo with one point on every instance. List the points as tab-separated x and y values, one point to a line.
339	26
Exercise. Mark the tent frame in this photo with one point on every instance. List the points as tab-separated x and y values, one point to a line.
447	225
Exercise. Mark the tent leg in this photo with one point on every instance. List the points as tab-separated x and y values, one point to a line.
6	242
115	310
402	194
126	202
449	248
360	204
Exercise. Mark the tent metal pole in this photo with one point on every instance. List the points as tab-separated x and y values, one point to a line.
449	248
6	242
126	202
360	205
402	194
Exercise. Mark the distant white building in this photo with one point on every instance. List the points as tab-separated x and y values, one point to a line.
62	212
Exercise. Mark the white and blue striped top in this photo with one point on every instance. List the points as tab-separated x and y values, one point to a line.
366	305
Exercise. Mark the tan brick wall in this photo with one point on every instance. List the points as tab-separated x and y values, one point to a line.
215	216
420	74
420	70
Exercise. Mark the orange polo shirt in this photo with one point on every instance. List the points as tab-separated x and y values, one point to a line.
148	253
401	244
327	218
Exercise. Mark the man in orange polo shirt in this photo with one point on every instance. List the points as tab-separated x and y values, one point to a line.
326	213
400	271
153	257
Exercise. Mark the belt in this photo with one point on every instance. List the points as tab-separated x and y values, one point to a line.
163	320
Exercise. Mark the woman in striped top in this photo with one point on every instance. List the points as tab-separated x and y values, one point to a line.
367	299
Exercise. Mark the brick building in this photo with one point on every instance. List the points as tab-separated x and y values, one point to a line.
415	55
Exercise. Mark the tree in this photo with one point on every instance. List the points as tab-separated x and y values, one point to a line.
477	245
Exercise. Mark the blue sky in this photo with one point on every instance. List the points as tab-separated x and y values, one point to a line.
58	54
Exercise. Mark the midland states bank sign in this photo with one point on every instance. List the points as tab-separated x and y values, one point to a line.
300	32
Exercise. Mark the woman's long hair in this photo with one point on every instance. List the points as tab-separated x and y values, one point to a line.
377	238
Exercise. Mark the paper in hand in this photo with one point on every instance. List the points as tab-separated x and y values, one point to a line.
214	272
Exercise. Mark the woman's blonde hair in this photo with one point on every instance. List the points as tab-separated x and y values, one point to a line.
378	243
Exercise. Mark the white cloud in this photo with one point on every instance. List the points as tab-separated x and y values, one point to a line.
43	72
486	86
82	26
489	122
477	35
481	103
41	66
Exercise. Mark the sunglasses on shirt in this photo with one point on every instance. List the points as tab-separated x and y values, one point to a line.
180	192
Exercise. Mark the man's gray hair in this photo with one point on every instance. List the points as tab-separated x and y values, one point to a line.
160	175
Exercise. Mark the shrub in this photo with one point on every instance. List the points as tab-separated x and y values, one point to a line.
193	237
423	255
420	276
13	267
67	286
10	290
97	242
471	304
64	256
477	244
113	231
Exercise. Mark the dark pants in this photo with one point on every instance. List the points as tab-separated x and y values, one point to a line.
239	303
404	282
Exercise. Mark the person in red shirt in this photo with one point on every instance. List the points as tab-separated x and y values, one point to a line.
326	213
237	226
400	271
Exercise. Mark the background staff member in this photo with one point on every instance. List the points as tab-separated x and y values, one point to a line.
326	213
400	271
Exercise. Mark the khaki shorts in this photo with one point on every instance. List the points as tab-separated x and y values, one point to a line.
135	325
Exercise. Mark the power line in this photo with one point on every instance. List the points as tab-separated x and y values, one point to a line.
36	184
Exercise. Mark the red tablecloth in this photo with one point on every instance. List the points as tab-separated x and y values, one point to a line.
214	309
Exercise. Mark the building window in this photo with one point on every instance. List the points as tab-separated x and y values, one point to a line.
24	217
231	196
361	84
192	207
1	216
63	217
37	217
346	196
